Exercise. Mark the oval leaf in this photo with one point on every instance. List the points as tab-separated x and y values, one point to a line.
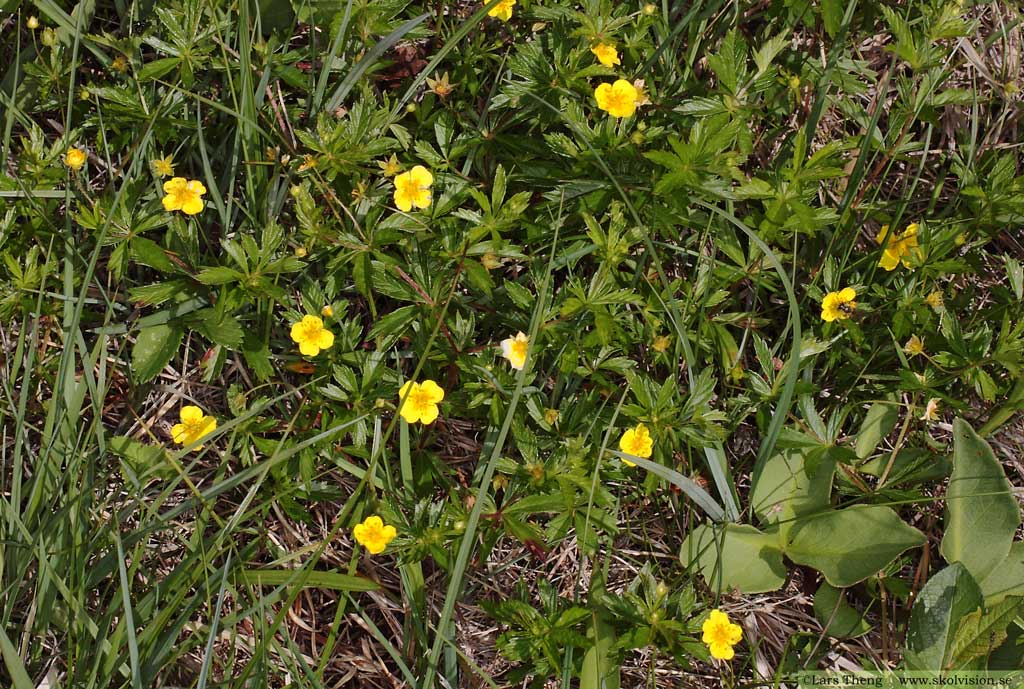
735	556
981	513
851	544
154	348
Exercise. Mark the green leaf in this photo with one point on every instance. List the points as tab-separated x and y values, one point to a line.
979	633
308	579
15	667
600	670
149	253
878	422
158	68
143	460
981	513
784	490
837	617
948	597
735	556
1006	578
154	348
832	15
851	544
219	275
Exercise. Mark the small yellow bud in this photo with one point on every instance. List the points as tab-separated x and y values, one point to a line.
661	343
650	9
32	22
300	252
411	107
120	64
551	416
327	311
49	37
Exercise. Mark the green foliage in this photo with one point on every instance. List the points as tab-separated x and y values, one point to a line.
668	269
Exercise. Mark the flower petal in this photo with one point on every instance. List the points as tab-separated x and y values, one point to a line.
436	394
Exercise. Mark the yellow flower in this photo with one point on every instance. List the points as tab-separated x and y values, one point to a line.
75	158
914	346
491	260
618	99
120	64
85	93
412	188
390	167
374	535
650	9
931	410
721	635
420	401
32	22
308	162
184	195
934	300
164	166
441	87
551	416
194	425
636	441
503	10
897	249
838	305
514	349
661	343
327	311
311	335
606	54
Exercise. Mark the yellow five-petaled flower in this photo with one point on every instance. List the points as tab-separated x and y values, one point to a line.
311	335
514	349
194	425
721	635
618	99
412	188
75	158
838	305
164	166
374	535
420	401
184	195
606	54
503	10
636	441
897	249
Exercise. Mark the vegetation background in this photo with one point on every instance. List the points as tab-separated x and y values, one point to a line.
840	488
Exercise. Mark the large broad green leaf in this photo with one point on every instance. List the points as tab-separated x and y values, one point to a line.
981	514
154	348
947	598
837	617
600	669
787	488
981	632
735	556
850	544
1007	578
879	420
